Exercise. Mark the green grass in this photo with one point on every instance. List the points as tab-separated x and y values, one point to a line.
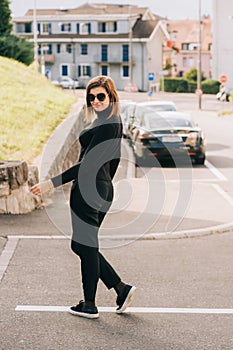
30	109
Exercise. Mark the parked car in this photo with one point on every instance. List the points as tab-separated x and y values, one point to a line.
159	105
66	83
128	113
165	135
124	105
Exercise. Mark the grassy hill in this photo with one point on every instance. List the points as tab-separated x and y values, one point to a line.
30	109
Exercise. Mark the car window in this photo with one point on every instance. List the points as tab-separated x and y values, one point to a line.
155	121
159	107
163	108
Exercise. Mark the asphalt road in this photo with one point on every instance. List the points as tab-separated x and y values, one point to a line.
184	297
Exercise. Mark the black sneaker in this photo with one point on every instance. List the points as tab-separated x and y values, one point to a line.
84	311
125	299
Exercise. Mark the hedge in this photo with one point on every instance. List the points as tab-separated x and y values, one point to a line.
184	85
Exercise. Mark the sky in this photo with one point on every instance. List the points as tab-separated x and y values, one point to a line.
172	9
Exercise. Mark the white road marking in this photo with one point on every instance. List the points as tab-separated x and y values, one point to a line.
215	171
152	310
225	195
7	254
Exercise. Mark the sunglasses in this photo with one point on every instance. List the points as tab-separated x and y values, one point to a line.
100	97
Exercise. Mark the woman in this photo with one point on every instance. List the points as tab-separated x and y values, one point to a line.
92	194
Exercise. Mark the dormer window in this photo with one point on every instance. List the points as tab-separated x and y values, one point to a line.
66	27
85	28
45	28
107	27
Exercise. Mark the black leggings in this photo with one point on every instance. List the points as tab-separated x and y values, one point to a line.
93	267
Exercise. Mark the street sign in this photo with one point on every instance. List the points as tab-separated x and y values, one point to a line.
223	79
151	76
164	72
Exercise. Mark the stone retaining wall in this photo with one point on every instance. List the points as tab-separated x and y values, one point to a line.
60	152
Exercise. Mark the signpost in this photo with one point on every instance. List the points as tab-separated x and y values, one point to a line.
151	76
223	79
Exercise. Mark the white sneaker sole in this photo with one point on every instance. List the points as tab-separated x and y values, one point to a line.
128	300
83	314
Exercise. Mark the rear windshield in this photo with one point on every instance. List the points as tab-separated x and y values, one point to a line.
155	121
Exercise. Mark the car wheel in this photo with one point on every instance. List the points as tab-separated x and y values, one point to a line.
200	160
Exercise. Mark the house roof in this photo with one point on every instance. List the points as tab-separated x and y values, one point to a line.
143	29
187	31
94	9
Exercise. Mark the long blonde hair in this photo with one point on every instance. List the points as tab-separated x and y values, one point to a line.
108	84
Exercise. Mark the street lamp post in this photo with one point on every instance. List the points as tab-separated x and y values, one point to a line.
35	38
130	47
199	90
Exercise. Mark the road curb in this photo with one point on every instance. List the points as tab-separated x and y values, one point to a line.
218	229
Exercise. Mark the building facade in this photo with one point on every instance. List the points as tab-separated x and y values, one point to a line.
222	41
181	52
123	41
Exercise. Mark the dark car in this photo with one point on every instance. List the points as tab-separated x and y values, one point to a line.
158	105
165	135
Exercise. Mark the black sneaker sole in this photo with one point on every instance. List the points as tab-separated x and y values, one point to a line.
128	300
83	314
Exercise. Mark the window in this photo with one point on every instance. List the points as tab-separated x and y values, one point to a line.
64	70
104	53
86	28
38	27
46	28
58	48
28	28
189	46
84	49
125	71
77	28
188	62
84	70
49	49
125	53
193	46
66	27
45	49
69	48
184	46
104	70
107	27
185	62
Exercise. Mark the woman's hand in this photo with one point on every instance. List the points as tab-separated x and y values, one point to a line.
42	187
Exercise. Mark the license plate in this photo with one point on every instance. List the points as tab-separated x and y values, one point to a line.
173	138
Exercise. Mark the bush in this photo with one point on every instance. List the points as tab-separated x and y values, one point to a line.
184	85
210	86
16	48
174	85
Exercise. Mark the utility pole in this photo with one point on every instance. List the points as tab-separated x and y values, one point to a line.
130	48
35	38
199	90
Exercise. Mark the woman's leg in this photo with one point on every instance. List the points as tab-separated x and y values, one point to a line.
107	274
90	269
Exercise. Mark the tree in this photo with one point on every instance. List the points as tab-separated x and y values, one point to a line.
10	45
5	18
19	49
191	75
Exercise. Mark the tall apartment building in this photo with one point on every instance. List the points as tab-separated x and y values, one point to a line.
123	41
222	40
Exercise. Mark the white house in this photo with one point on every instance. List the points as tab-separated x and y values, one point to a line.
123	41
222	40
